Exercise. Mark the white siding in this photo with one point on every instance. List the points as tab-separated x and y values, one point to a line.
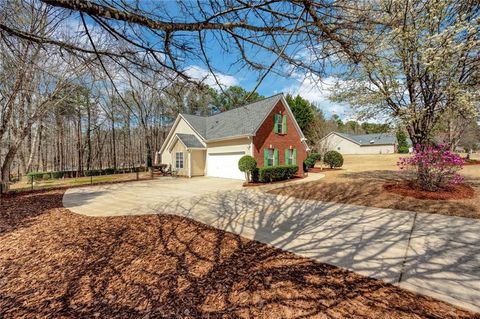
230	148
182	127
345	146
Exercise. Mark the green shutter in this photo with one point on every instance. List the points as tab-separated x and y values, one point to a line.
265	157
275	157
287	157
275	126
294	157
284	125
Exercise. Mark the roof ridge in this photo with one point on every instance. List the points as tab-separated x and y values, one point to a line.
247	104
237	107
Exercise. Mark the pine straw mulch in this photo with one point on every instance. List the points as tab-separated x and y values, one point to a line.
366	188
409	189
57	264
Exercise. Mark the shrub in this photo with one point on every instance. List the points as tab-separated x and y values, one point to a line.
276	173
310	161
435	167
46	176
57	175
247	164
108	171
36	176
93	172
402	142
403	149
333	159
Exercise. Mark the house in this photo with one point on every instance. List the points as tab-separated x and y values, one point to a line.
212	145
345	143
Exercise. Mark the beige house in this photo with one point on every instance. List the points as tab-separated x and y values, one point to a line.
360	144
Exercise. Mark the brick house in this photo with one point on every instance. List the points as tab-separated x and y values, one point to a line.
212	145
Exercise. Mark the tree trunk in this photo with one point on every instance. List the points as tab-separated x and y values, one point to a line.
114	148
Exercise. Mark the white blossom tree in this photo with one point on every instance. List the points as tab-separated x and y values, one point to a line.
420	59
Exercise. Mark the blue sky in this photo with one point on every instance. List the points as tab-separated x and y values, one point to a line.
230	73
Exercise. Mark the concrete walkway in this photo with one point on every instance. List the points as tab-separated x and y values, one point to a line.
434	255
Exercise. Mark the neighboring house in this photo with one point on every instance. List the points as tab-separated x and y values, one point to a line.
212	145
360	144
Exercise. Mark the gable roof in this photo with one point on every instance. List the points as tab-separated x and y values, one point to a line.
241	121
370	139
190	140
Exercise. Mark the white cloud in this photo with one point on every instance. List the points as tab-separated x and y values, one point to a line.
318	90
204	75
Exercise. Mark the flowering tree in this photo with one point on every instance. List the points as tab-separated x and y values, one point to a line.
435	166
420	61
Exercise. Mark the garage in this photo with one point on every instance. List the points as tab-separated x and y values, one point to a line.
224	165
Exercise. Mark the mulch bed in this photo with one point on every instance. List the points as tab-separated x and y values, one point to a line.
57	264
459	191
471	162
251	184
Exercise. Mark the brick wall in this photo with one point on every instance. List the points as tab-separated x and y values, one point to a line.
266	136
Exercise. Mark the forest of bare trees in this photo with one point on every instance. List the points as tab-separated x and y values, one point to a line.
94	84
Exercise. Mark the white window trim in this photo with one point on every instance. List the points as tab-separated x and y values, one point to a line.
271	152
177	160
280	123
291	158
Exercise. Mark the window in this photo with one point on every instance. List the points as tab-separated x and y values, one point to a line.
270	157
290	157
280	126
179	160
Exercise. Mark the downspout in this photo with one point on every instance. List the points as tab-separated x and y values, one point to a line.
189	163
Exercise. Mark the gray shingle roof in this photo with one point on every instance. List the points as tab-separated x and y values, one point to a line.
371	139
243	120
190	140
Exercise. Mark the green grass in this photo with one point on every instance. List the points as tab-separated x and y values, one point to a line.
25	184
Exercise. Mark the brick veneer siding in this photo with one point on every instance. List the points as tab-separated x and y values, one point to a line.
266	136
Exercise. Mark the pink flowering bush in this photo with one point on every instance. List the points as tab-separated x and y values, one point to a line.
435	167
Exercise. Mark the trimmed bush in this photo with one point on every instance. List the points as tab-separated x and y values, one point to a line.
93	172
36	176
333	159
403	149
247	164
108	171
276	173
57	175
310	161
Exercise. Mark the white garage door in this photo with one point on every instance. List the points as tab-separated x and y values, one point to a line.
224	165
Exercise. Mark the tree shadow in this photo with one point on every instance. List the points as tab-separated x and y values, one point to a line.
381	243
68	265
366	189
20	210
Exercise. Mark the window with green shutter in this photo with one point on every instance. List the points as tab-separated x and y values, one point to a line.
284	124
275	157
287	157
276	123
265	156
294	159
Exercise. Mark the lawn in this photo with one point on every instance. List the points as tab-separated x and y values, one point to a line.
25	183
361	181
57	264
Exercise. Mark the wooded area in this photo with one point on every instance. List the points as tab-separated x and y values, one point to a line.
92	84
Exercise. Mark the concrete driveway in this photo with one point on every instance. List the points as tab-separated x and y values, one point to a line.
434	255
142	197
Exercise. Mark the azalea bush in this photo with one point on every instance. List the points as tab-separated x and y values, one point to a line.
435	167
